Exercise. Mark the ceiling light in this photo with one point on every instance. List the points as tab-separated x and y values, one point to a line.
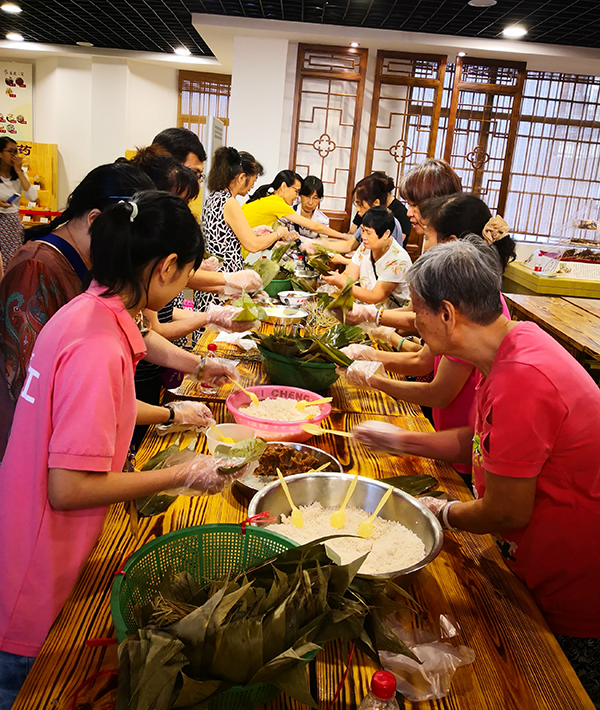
182	51
14	37
354	44
514	32
84	44
481	3
10	7
461	54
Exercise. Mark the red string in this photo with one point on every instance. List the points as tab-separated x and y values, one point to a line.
94	643
87	681
343	680
263	517
120	570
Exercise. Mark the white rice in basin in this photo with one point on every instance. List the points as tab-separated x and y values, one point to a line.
280	409
391	547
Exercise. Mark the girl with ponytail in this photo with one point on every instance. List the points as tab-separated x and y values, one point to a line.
79	402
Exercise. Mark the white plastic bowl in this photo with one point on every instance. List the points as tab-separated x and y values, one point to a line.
237	432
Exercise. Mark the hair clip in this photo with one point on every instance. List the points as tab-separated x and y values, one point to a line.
134	208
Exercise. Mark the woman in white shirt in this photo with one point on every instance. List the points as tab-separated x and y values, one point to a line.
379	264
311	194
12	181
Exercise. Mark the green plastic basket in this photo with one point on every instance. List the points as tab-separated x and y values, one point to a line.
278	285
207	552
313	376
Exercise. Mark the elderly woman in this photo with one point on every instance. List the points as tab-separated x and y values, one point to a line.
533	446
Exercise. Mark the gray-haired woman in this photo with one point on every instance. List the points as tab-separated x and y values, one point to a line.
533	447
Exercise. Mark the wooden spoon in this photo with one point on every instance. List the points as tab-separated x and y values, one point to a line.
338	519
316	430
297	519
302	404
365	529
253	398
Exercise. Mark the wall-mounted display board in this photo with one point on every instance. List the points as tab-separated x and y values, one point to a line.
16	101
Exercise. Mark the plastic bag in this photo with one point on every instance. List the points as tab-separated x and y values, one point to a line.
431	679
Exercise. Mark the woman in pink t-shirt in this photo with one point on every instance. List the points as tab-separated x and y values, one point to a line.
75	416
451	393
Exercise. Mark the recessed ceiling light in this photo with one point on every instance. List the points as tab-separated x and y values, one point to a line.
514	31
84	44
461	54
14	37
481	3
182	51
10	7
354	44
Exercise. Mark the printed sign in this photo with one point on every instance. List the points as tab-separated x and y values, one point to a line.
16	101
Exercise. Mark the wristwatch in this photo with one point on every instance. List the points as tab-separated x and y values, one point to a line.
171	418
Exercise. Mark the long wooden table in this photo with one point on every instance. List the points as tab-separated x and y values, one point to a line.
518	663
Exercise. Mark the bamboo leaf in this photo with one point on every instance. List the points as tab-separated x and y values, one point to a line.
344	300
196	691
414	484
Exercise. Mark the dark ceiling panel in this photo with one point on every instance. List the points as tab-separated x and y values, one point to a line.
162	25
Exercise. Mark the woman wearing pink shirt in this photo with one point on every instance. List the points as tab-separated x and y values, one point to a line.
78	400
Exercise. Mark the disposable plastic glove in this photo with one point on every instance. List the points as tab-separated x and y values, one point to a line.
307	246
216	371
382	436
188	415
222	318
357	351
262	230
238	281
439	507
200	473
379	333
210	264
361	313
361	372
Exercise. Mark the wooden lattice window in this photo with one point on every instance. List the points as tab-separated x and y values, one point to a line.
482	126
326	123
202	95
556	163
407	96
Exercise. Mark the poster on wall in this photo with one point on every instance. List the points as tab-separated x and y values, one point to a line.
16	101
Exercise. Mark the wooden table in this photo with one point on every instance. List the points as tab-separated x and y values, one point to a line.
518	663
573	322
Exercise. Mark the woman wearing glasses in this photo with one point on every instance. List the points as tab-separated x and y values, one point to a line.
12	181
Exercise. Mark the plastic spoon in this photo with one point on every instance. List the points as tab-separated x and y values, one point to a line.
338	519
224	439
253	398
297	519
302	404
316	430
365	529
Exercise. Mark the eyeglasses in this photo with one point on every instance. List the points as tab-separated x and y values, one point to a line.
296	190
12	152
201	176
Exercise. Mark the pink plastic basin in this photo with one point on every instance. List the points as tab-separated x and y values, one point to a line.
274	430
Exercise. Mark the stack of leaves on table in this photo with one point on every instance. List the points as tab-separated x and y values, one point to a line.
196	642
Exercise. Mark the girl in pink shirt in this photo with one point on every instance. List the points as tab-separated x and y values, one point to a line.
74	421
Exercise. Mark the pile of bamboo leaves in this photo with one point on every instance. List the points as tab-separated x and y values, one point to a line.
196	641
273	267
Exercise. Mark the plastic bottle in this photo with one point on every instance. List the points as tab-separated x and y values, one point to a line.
382	695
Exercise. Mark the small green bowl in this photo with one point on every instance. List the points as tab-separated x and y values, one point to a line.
278	285
313	376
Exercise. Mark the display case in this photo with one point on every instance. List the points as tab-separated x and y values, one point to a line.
40	163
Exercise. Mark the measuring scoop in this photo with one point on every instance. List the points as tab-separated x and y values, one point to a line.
254	399
307	403
338	518
224	439
365	529
297	519
316	430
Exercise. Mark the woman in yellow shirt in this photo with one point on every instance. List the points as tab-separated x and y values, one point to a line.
272	202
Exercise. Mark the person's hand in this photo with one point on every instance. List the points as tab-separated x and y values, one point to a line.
307	246
4	204
262	230
247	280
287	235
216	371
381	436
210	264
439	507
361	372
17	162
379	333
335	279
222	317
339	259
357	351
201	473
188	415
362	313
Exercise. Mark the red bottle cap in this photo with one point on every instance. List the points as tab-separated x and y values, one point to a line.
212	347
383	685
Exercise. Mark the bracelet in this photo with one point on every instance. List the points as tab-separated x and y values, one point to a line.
445	509
378	316
171	418
399	346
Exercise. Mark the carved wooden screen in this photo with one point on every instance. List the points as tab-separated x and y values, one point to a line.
482	126
202	95
407	97
326	125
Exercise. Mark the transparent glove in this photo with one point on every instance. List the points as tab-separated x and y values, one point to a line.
247	280
216	371
222	318
382	436
200	473
210	264
362	312
357	351
188	415
262	230
439	507
379	333
361	372
307	246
